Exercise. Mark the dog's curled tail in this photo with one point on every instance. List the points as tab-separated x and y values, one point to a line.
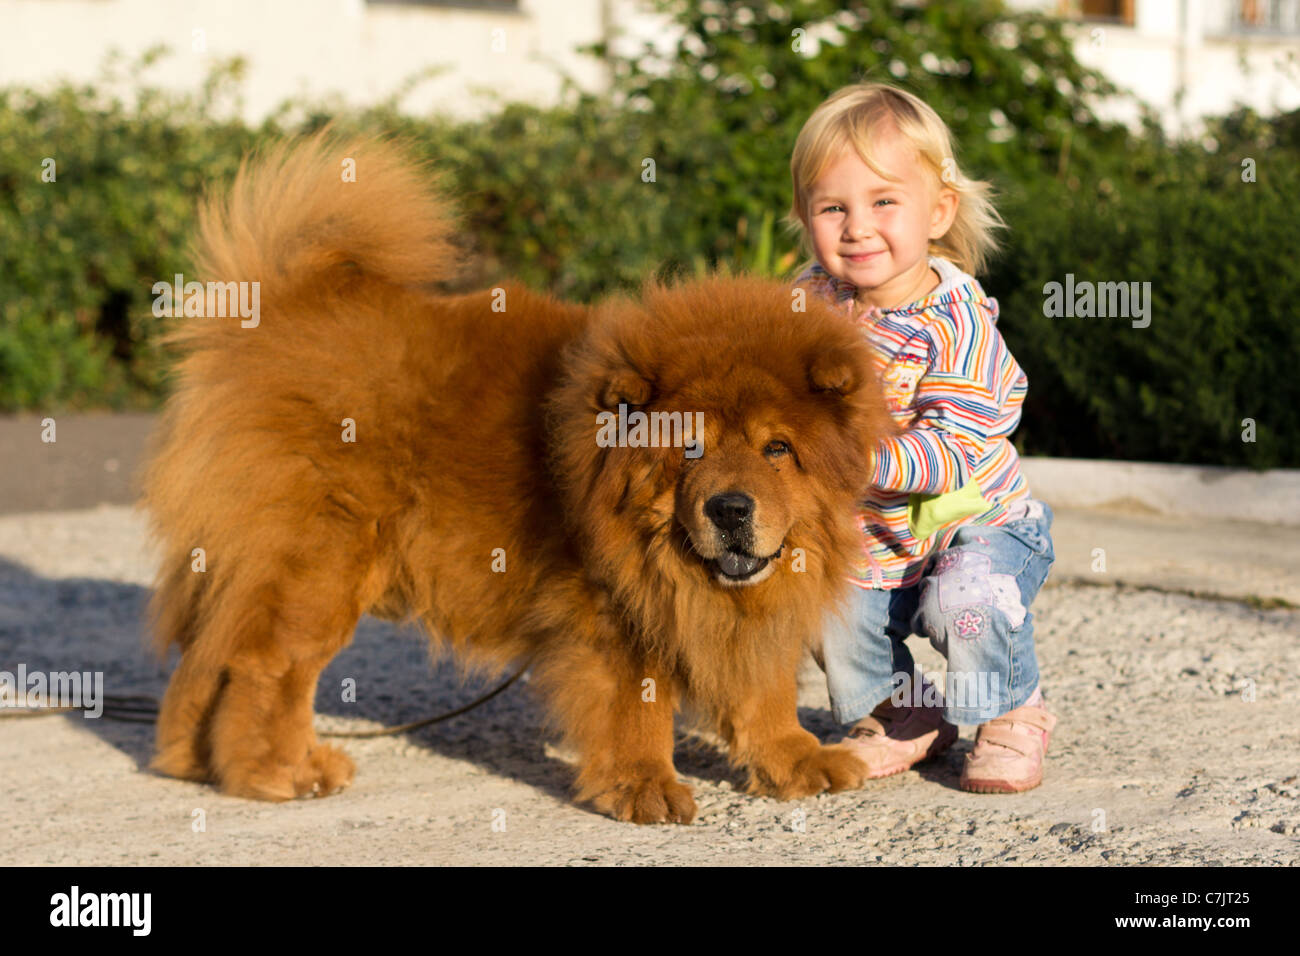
307	208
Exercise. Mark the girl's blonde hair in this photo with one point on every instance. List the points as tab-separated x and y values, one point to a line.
855	116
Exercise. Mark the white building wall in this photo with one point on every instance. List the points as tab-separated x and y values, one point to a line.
365	51
361	51
1189	45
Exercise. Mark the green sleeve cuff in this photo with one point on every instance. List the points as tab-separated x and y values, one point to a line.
926	514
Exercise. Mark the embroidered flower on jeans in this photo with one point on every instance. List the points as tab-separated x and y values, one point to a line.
945	562
969	624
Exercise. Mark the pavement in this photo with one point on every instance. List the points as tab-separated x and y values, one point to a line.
1168	646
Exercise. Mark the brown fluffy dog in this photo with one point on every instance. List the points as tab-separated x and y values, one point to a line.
476	498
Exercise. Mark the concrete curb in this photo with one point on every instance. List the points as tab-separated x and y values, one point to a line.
1187	491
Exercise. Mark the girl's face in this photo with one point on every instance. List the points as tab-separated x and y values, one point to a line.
874	232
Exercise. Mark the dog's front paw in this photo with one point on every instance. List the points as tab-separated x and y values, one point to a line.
830	767
657	798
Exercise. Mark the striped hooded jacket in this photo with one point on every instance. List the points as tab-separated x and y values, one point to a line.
951	381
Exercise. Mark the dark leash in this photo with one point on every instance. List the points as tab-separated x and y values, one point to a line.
140	709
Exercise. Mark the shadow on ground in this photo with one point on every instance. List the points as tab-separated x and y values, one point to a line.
86	624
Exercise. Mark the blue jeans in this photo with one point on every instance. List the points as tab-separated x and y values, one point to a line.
972	605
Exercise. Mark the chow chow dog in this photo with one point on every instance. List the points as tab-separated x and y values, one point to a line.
476	463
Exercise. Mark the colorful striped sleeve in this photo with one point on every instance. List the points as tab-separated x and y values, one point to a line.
1014	403
956	406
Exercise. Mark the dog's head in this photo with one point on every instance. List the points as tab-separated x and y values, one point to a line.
716	429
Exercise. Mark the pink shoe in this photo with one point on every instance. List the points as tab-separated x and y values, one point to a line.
1009	750
893	739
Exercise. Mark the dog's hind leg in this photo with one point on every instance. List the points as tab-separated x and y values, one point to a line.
186	709
240	705
184	721
263	743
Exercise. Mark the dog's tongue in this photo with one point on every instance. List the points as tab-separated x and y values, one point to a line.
737	565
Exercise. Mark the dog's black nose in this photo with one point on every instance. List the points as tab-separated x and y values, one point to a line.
729	510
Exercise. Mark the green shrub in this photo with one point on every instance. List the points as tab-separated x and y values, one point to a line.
722	114
79	254
1220	255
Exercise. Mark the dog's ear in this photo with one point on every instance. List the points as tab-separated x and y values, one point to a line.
625	387
835	370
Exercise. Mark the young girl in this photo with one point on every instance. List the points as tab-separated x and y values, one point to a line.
954	547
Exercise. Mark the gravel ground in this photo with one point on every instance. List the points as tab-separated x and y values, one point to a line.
1161	755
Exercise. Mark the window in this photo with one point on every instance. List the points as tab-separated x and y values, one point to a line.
1108	11
1265	16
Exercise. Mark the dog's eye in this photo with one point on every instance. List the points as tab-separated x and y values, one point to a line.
777	449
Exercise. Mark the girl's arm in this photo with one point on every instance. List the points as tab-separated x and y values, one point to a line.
956	407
